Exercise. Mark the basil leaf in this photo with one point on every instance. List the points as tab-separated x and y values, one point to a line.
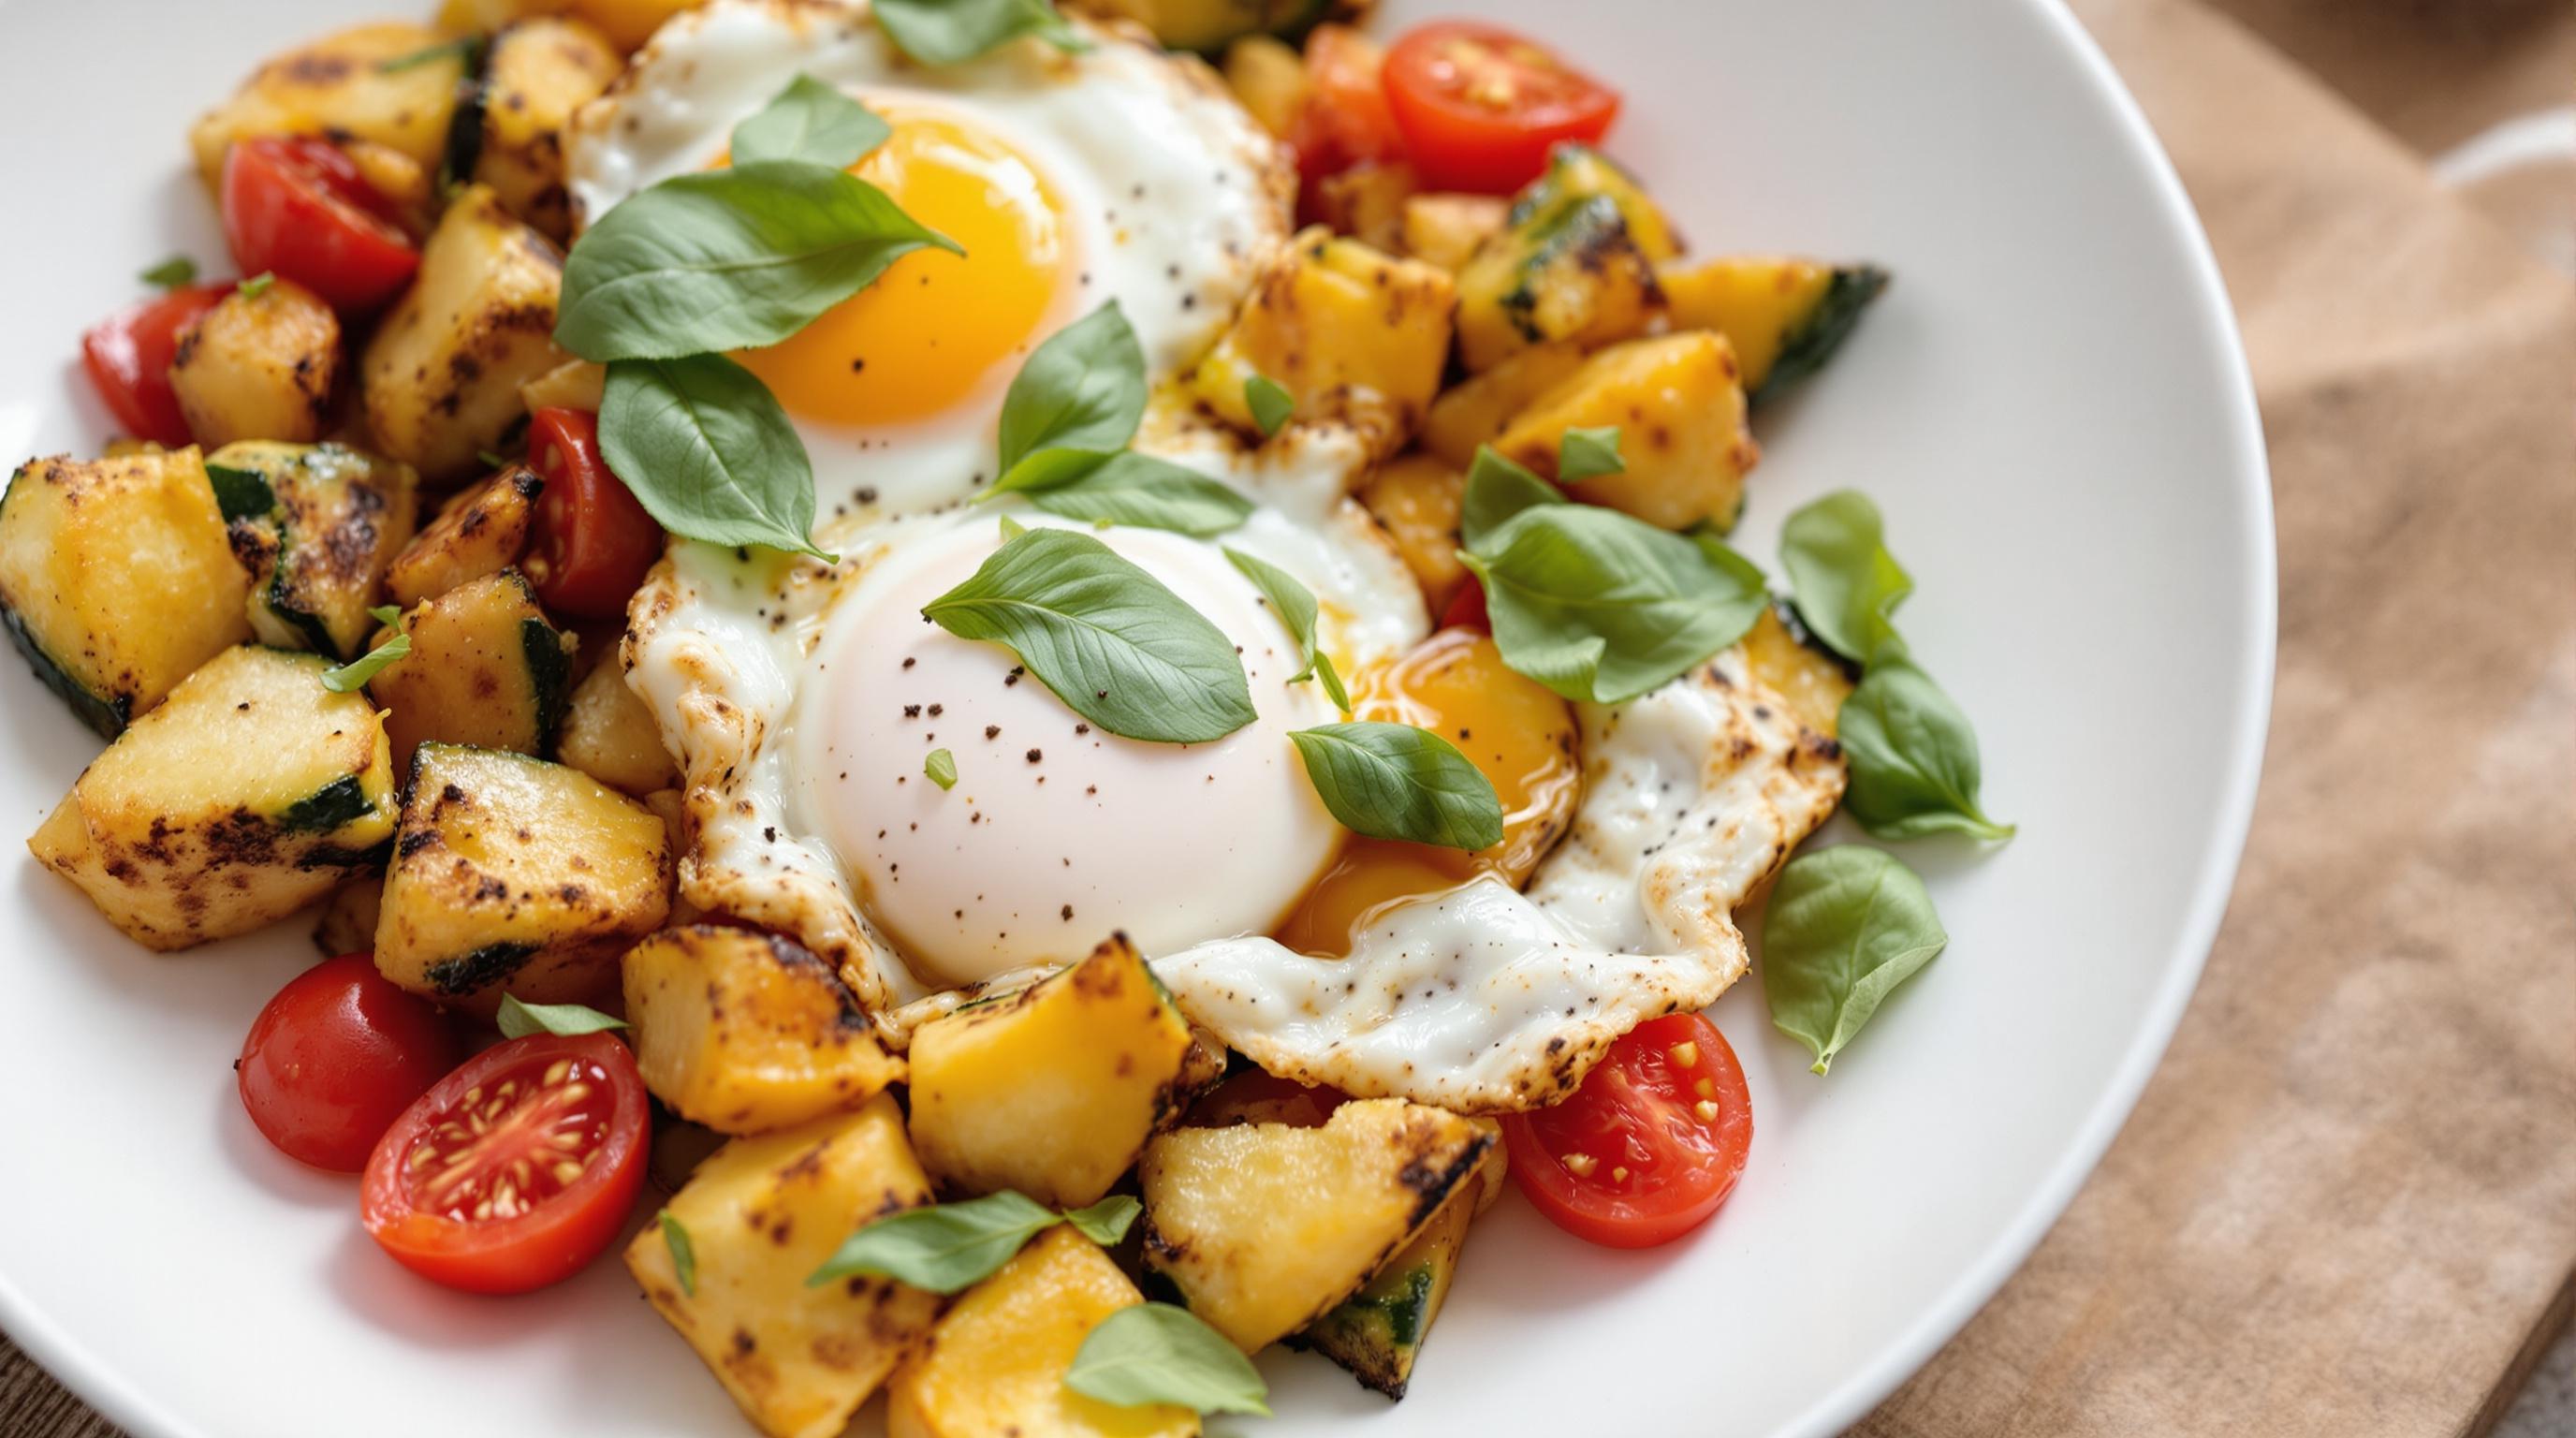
1146	493
170	273
1331	679
1105	1222
1270	403
256	285
1156	1353
1601	607
386	613
1114	644
1583	454
809	121
708	452
951	32
940	768
353	676
1496	490
941	1248
1846	583
728	259
1079	397
684	1254
1845	926
518	1020
1293	602
1914	763
1393	781
1012	529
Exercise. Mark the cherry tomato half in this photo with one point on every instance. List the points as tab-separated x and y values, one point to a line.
128	357
1648	1146
1466	608
517	1169
296	207
336	1057
1345	121
593	542
1479	107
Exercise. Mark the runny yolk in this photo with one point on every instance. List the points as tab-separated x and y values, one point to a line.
935	327
1512	728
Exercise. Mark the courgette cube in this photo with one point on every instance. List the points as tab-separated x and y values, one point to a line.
1263	1228
513	874
1416	499
1473	412
1570	273
318	555
1377	1332
1810	678
259	365
1446	229
347	86
1680	416
995	1364
246	795
1785	317
479	531
761	1214
485	669
1052	1091
115	578
609	734
1580	172
537	72
745	1032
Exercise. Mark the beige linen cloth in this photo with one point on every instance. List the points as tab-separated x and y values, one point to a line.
2347	1203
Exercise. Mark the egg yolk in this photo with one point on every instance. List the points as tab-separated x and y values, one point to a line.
1514	729
935	327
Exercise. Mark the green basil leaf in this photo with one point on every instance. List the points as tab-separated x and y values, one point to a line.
1601	607
1294	603
1156	1353
708	452
256	285
684	1254
518	1020
1845	926
1270	403
1114	644
1143	492
241	493
1012	529
1914	763
1583	454
1845	582
1105	1222
728	259
170	273
941	1248
489	460
809	121
1394	781
1331	679
940	768
951	32
386	613
353	676
1079	397
1496	490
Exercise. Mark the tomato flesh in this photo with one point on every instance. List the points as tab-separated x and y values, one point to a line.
1479	107
128	357
1648	1146
517	1169
1345	120
336	1057
1466	608
296	207
593	541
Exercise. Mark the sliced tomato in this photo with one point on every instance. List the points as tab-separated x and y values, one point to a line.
1466	608
1345	120
1479	106
336	1057
128	357
517	1169
296	207
1649	1145
593	542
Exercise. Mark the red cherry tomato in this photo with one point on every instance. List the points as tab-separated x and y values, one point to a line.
517	1169
128	357
336	1057
1345	121
1479	107
1466	608
296	207
1648	1147
593	542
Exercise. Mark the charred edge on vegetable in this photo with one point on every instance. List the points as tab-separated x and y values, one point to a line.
1804	350
480	969
464	147
342	801
1585	232
107	715
1431	1187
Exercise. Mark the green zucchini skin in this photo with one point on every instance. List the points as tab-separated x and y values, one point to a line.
1579	233
1804	350
342	801
1376	1338
241	494
464	147
549	675
108	716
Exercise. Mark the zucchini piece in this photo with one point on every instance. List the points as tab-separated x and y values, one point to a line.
1366	202
512	873
1416	498
391	84
1263	1228
1571	273
1473	411
1680	416
320	548
745	1032
1377	1332
996	1363
485	669
1578	171
1054	1090
116	580
1445	229
539	70
1785	317
1209	26
479	531
608	734
246	795
1810	678
1268	78
762	1214
259	365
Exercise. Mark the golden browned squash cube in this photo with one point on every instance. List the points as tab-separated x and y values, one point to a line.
479	531
1475	411
1680	416
538	72
485	669
610	735
745	1032
344	85
1415	498
259	366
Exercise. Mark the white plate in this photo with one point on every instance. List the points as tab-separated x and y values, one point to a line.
2052	409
